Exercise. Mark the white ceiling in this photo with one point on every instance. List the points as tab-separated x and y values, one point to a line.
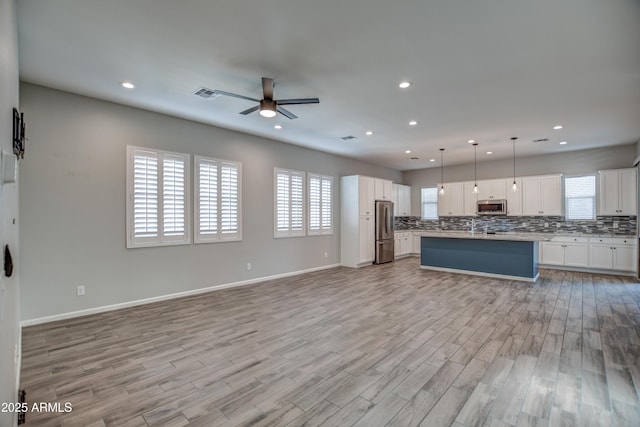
486	70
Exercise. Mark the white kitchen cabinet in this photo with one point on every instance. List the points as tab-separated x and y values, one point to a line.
367	239
402	243
397	237
357	221
383	189
401	200
566	251
366	195
542	195
416	239
514	198
613	253
492	189
618	192
452	202
470	199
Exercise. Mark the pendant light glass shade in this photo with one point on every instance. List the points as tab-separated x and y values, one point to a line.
441	172
475	168
514	186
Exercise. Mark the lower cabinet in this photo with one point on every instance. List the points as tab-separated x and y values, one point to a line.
613	254
617	254
367	238
567	251
402	244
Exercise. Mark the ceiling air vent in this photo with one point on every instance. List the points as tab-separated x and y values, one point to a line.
413	158
349	138
541	140
203	92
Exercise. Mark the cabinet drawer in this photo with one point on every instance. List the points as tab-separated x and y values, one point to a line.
570	239
614	240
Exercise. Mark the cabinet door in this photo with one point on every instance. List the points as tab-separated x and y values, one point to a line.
366	194
397	239
367	238
552	253
627	192
514	199
531	196
395	190
401	200
416	244
383	189
601	256
576	254
608	193
405	244
551	195
624	258
456	196
498	189
470	199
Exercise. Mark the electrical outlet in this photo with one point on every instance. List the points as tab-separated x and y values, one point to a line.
615	224
248	266
80	290
524	224
326	255
546	225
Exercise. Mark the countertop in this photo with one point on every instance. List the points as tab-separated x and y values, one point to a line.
523	237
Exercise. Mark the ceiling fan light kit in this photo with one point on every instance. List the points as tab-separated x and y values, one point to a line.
268	106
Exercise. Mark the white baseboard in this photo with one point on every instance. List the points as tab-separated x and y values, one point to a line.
105	308
480	273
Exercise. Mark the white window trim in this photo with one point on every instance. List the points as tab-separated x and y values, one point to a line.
219	236
422	205
322	229
595	197
160	239
289	231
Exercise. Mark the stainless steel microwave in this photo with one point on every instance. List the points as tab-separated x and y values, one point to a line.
492	207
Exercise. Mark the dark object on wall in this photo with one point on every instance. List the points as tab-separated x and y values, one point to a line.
19	138
22	398
8	262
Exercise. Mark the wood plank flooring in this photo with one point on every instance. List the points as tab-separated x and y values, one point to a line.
388	345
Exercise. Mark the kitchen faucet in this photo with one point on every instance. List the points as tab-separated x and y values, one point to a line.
473	225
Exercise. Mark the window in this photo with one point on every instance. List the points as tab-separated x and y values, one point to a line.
320	190
157	198
289	203
430	203
580	197
217	200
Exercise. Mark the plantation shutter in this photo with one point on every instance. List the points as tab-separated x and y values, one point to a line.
218	200
173	197
145	196
320	206
289	203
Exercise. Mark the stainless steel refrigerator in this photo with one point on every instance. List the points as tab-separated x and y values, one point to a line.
384	232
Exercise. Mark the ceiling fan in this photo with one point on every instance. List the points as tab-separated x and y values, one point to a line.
267	105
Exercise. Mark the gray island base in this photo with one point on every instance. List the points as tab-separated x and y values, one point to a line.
507	259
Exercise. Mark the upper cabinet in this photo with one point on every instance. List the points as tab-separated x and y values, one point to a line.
618	194
470	199
451	203
542	195
492	189
383	189
514	199
401	200
366	195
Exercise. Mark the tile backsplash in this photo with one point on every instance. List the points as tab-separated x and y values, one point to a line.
617	225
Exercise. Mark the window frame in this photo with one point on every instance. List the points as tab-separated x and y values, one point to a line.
219	236
325	212
290	231
594	197
160	239
422	203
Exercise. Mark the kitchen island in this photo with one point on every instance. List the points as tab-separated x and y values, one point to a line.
508	255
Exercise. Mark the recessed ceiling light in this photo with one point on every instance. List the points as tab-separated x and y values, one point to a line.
489	153
278	127
471	141
128	85
404	85
413	123
432	160
369	132
557	127
563	142
407	151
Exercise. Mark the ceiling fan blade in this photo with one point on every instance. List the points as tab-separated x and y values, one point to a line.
250	110
298	101
235	95
288	114
267	88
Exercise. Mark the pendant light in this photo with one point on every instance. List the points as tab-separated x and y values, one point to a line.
475	168
514	186
441	172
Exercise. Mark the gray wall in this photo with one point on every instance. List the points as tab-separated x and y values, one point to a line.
9	291
73	200
568	163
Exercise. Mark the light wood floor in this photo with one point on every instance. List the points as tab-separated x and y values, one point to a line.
388	345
